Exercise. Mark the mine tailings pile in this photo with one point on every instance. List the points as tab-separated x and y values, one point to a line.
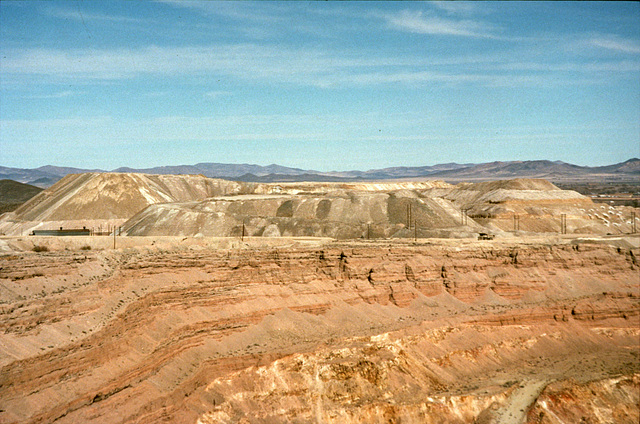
350	212
193	205
101	201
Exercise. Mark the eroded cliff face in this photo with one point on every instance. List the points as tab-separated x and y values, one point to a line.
317	332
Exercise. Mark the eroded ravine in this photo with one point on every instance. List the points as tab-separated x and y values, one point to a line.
375	328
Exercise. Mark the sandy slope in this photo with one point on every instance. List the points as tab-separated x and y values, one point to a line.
107	199
534	206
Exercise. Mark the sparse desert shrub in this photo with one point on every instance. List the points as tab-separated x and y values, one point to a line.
85	247
40	248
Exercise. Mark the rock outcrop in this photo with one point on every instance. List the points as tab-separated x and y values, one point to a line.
316	331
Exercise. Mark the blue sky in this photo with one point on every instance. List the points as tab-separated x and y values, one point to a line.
317	85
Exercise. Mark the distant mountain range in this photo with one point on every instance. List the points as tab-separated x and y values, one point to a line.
557	171
553	171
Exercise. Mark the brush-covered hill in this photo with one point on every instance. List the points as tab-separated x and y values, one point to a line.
13	194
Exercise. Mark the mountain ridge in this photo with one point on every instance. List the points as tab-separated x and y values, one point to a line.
47	175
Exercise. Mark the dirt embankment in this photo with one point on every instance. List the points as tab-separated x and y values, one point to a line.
404	213
192	330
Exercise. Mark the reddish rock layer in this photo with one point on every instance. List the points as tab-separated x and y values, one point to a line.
343	332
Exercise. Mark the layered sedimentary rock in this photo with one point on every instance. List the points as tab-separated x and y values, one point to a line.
360	332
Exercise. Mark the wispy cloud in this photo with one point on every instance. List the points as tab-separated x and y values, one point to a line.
300	66
623	66
271	20
593	44
57	95
425	23
410	78
243	11
217	94
455	7
84	16
616	44
247	61
180	128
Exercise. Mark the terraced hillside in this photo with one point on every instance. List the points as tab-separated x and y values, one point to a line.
384	210
104	201
342	215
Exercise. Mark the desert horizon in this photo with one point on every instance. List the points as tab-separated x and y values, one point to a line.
292	212
202	300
